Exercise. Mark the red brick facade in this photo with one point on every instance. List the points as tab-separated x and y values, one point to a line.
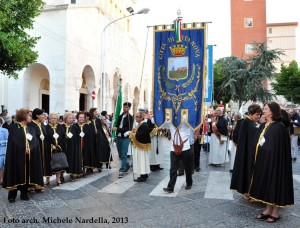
248	24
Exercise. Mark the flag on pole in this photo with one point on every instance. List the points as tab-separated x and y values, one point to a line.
177	28
117	110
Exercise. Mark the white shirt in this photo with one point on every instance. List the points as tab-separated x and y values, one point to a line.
184	131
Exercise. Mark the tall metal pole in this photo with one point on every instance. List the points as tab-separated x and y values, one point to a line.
102	76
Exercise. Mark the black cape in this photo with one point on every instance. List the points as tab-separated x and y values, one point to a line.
44	147
87	145
21	169
243	164
141	138
97	142
272	175
56	142
72	148
104	146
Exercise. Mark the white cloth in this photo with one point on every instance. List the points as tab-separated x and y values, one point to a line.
218	153
184	131
140	161
163	145
233	153
294	145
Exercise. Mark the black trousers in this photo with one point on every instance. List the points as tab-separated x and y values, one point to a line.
186	158
12	194
181	166
197	150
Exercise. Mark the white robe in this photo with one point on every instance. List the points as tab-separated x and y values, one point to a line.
162	144
140	161
218	153
233	153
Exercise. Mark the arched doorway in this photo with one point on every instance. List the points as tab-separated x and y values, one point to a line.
36	92
44	94
87	87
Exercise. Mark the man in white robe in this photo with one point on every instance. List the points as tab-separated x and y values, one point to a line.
218	144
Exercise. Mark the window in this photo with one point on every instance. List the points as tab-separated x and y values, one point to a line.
248	48
248	22
270	30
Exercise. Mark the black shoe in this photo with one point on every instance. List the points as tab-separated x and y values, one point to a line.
145	176
11	200
24	198
159	168
230	170
188	187
140	179
294	159
180	174
99	170
168	190
197	169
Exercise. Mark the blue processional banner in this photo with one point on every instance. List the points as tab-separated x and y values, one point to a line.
179	75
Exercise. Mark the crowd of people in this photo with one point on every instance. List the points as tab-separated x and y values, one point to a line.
263	145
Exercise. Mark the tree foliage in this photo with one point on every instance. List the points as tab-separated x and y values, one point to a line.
16	46
245	79
287	82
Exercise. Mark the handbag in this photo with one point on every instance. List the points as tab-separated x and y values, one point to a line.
178	148
59	161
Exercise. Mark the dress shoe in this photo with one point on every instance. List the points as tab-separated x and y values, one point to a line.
230	170
140	179
24	198
197	169
168	190
11	200
188	187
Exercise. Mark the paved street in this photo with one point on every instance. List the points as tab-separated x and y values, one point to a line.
102	199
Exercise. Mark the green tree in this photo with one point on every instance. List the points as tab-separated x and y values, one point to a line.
287	82
219	77
16	46
245	78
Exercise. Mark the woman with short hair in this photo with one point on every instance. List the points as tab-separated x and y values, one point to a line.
71	133
55	135
243	164
23	159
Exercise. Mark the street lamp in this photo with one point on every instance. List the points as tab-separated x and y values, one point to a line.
102	77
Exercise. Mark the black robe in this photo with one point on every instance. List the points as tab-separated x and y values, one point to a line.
72	148
243	164
272	181
104	146
97	142
59	142
20	168
44	147
87	145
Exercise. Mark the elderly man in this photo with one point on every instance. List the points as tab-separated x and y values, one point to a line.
218	152
294	132
156	156
141	147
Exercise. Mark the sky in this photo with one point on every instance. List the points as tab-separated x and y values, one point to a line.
215	11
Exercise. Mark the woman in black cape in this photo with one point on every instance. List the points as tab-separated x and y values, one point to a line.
105	151
243	164
72	145
41	135
56	136
272	179
23	159
97	140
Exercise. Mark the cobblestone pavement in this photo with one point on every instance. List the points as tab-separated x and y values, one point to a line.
104	200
